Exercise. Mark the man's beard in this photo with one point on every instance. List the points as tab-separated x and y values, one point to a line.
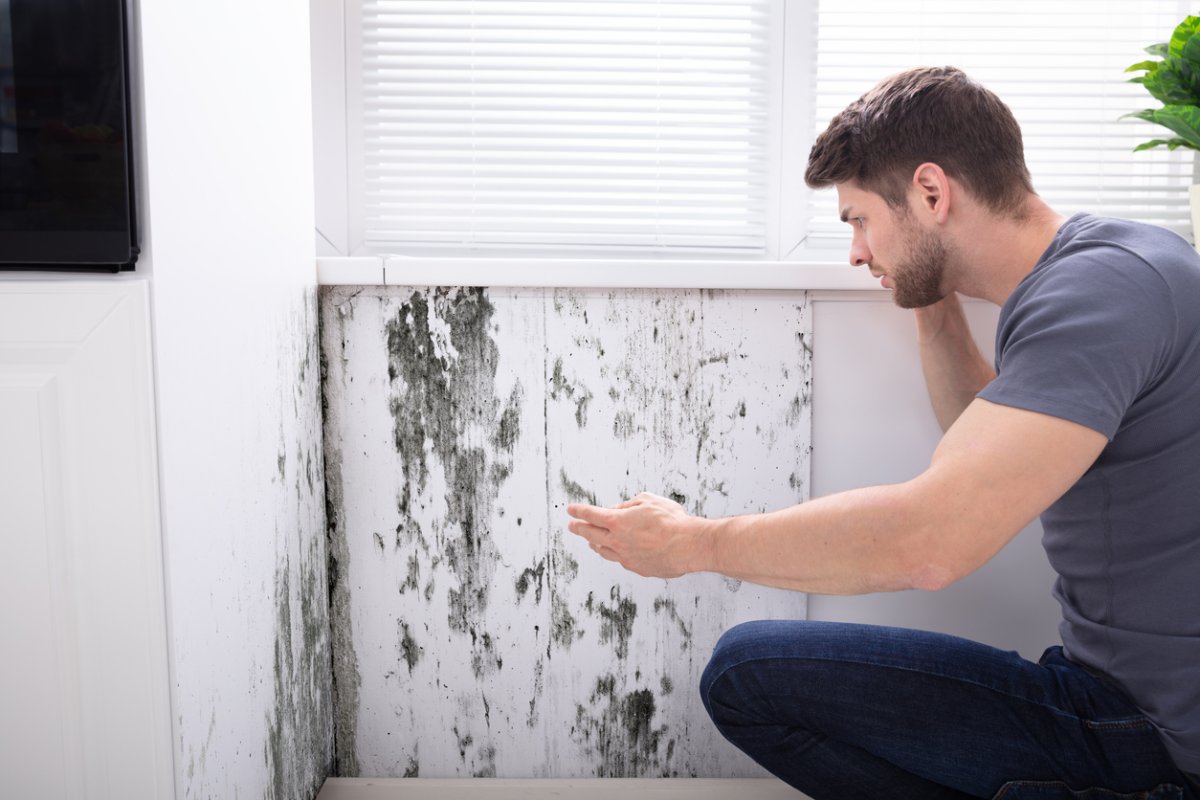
917	280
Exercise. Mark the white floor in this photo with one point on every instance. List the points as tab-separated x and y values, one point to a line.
589	789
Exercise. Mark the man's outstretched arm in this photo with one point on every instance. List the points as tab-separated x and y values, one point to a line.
994	471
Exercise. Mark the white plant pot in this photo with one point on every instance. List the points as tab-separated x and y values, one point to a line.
1194	198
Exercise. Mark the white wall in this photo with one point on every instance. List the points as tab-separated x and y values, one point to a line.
228	206
872	424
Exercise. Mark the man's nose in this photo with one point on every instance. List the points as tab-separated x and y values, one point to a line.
860	254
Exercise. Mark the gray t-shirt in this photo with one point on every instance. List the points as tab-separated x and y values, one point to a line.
1105	332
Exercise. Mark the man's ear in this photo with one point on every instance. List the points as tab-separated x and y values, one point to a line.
932	189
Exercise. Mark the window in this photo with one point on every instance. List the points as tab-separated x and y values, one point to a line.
1058	64
631	130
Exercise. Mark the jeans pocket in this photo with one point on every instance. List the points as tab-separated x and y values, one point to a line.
1056	790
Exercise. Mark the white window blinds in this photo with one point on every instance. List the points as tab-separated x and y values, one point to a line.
564	124
1058	64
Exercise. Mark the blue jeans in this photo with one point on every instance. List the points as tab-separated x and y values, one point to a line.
858	711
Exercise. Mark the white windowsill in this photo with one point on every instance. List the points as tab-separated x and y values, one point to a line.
593	273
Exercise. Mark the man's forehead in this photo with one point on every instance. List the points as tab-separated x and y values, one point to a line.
850	199
846	201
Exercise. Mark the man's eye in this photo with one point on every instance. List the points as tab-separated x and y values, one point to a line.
861	223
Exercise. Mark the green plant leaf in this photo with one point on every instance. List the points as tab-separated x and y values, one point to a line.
1191	50
1146	114
1189	77
1147	65
1159	50
1181	120
1183	32
1172	144
1172	83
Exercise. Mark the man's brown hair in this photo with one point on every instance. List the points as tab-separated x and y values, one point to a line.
935	114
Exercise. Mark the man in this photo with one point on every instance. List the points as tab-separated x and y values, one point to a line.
1092	420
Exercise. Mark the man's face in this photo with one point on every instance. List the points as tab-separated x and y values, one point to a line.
910	259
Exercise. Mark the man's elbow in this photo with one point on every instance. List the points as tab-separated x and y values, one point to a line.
932	577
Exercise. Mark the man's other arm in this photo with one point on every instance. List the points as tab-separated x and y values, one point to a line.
954	369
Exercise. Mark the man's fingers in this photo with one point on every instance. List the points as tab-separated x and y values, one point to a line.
593	515
603	552
594	534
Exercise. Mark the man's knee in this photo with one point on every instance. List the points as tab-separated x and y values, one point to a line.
742	644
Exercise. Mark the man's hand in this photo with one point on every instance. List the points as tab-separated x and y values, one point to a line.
648	534
954	369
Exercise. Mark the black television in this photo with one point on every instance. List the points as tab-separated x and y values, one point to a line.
66	152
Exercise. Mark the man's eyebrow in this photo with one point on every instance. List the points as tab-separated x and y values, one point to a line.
846	213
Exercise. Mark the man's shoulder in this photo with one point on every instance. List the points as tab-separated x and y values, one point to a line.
1108	241
1098	256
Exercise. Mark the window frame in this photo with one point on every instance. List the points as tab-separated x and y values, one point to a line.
344	257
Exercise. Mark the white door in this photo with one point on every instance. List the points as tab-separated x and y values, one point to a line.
84	702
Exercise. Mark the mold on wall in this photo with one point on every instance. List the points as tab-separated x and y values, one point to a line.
472	634
251	619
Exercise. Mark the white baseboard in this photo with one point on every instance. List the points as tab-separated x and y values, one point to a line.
575	789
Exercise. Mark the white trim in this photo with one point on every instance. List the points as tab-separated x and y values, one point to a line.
350	271
776	132
579	789
797	80
353	70
330	150
594	273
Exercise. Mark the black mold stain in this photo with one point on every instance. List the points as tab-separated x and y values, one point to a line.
510	421
575	491
539	688
346	678
560	387
464	741
484	658
410	651
616	620
534	575
414	575
299	747
487	755
618	730
793	412
667	687
413	770
623	425
563	626
444	394
665	604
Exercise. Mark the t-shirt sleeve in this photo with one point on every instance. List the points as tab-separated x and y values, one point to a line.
1085	340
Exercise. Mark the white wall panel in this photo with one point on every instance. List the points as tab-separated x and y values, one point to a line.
474	635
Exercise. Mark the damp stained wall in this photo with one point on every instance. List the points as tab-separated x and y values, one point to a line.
227	207
247	578
472	634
